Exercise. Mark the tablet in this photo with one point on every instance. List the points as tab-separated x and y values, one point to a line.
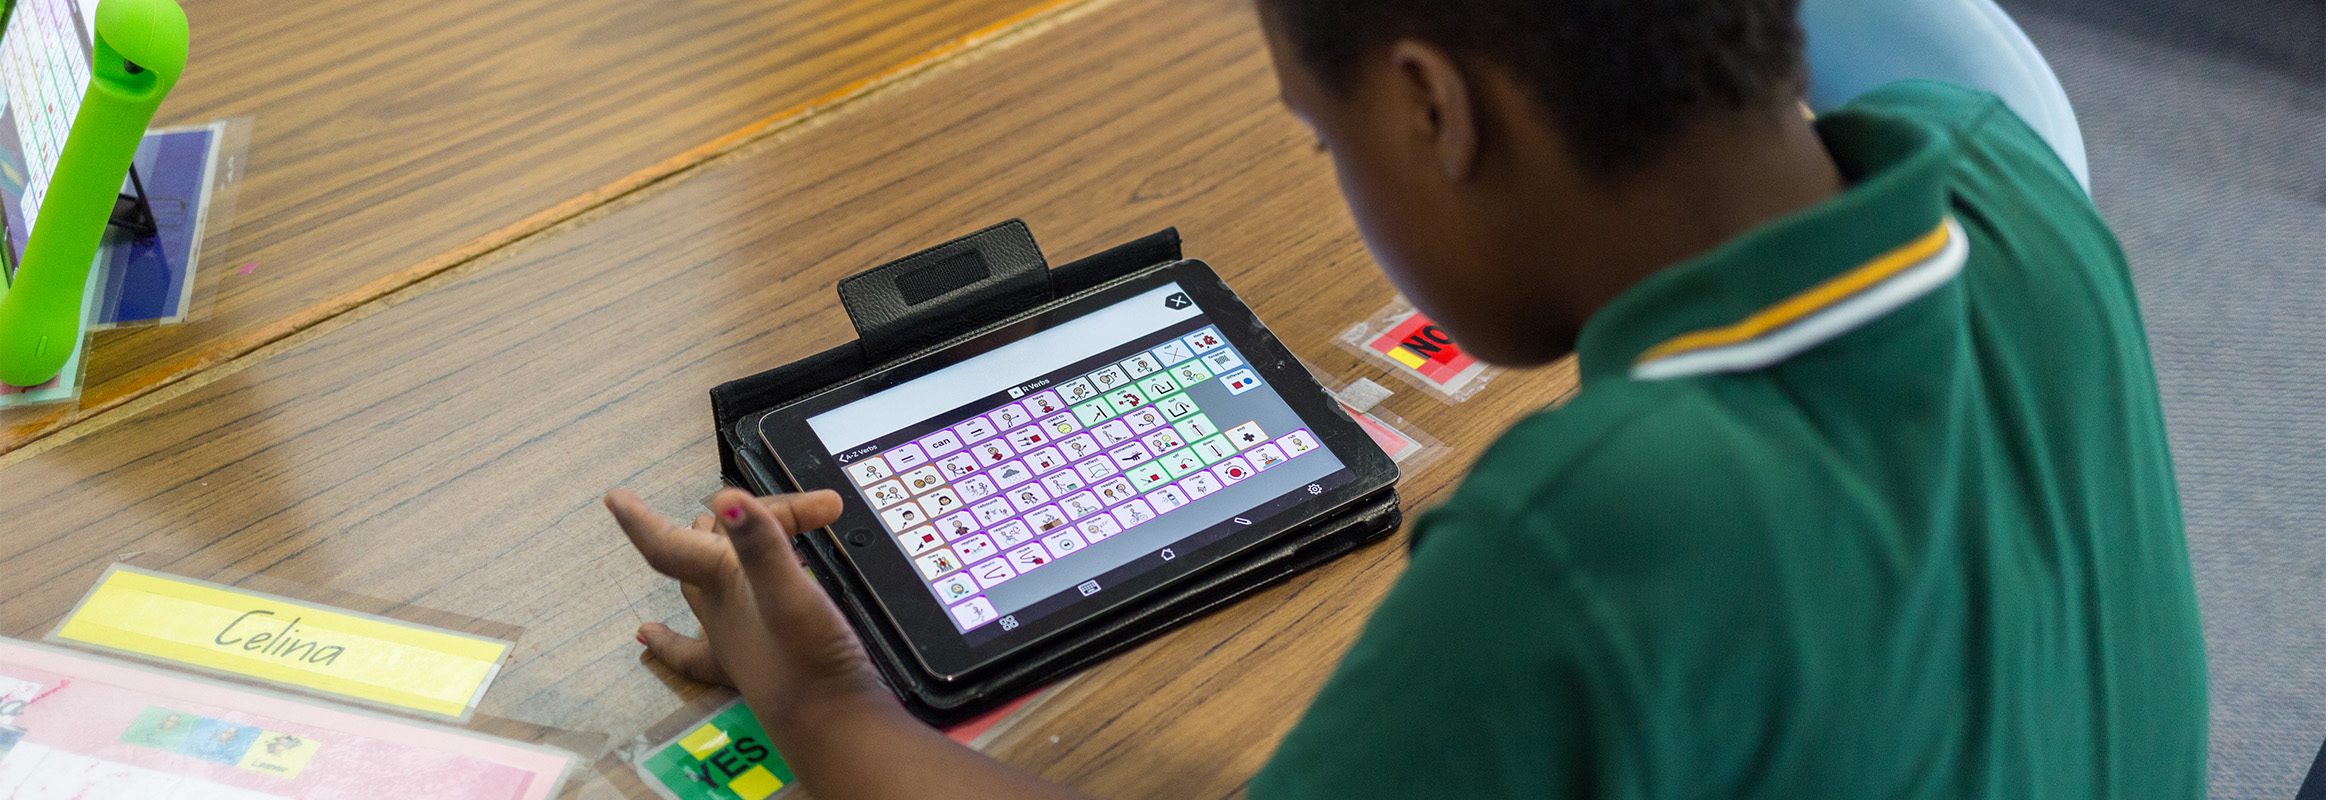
44	67
1010	486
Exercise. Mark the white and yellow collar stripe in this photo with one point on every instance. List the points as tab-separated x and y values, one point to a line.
1815	316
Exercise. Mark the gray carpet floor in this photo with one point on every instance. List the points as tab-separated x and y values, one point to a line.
2203	124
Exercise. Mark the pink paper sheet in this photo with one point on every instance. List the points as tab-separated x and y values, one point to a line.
79	726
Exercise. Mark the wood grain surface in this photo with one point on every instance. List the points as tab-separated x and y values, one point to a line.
394	140
442	451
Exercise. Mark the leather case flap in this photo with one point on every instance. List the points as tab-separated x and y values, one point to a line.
936	294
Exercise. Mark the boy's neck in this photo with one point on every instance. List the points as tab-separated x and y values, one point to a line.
1723	177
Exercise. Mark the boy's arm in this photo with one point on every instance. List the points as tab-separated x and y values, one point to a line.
868	747
1475	677
1855	45
771	632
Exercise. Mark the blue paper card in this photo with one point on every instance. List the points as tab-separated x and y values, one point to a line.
150	280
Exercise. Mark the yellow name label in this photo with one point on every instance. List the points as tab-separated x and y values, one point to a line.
271	638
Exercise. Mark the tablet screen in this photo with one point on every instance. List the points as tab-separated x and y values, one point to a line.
44	67
1031	477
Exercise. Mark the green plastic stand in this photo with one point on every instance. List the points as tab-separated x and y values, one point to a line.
140	51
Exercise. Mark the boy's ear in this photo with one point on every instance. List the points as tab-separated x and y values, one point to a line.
1437	83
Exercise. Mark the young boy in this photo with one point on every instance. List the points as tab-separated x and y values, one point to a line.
1866	493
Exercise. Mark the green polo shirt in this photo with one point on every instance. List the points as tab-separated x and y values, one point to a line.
1873	501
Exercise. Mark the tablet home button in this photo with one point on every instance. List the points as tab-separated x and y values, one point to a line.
859	537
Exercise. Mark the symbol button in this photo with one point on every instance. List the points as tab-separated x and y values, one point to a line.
1010	623
1167	554
1088	588
1316	489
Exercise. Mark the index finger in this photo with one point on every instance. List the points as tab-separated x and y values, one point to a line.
691	555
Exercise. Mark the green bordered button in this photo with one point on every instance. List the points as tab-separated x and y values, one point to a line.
1214	448
1124	400
1196	427
1177	406
1149	476
1190	373
1182	462
1158	386
1093	413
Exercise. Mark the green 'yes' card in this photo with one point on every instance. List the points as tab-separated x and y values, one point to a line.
725	757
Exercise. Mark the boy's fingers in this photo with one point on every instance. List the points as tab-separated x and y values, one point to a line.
686	655
762	530
688	554
803	511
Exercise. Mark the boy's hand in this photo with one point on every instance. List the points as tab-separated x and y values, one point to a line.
769	631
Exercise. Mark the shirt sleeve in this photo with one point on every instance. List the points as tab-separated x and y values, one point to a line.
1466	682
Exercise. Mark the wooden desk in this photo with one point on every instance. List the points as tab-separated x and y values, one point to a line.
395	140
446	449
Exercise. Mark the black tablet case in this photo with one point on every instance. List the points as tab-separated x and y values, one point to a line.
927	300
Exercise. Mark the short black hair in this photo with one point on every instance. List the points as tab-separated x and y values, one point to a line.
1619	78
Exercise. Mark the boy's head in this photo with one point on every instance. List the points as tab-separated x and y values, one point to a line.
1499	154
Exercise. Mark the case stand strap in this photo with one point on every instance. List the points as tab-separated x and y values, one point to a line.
939	293
134	213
